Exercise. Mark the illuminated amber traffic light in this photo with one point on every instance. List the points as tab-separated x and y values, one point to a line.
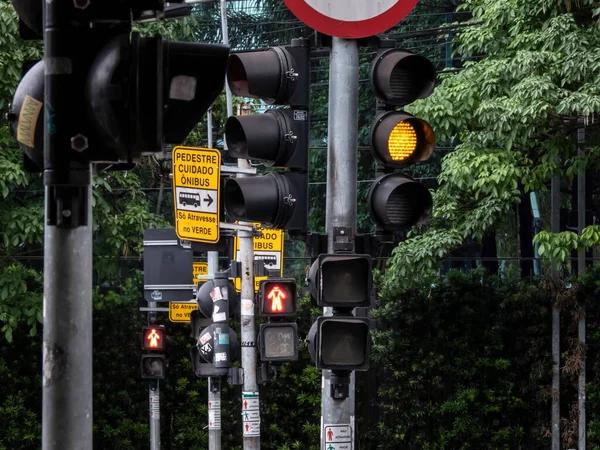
397	139
277	297
153	338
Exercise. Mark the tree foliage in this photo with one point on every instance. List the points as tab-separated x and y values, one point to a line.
534	70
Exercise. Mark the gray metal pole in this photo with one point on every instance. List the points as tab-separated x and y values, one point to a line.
581	200
225	32
555	226
209	132
250	395
154	406
67	347
214	383
341	191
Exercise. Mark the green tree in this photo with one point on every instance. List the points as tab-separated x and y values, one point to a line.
532	69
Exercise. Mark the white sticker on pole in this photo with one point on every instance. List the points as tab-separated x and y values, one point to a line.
155	406
250	401
338	434
214	404
214	419
251	428
251	416
247	307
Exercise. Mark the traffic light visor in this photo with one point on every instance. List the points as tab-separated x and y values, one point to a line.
261	74
398	138
153	366
279	342
268	137
397	202
400	77
341	281
344	343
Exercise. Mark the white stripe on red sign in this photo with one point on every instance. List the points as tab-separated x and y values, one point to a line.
351	10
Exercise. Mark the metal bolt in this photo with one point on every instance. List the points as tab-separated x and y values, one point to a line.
81	4
79	142
66	213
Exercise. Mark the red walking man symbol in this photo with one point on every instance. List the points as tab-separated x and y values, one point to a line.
276	296
329	434
153	337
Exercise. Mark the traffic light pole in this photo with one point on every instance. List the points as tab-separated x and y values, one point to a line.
154	406
214	383
250	396
67	337
341	196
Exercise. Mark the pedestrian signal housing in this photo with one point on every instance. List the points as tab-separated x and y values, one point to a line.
340	343
278	341
153	338
153	366
341	281
277	297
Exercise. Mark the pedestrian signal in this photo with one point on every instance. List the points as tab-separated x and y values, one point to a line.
277	297
153	338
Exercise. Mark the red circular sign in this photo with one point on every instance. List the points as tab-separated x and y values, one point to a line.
351	19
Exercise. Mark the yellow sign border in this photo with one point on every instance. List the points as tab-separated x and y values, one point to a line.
218	191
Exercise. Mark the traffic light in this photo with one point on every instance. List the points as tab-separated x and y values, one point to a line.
153	363
216	343
123	95
277	297
398	78
278	138
341	342
277	339
153	338
341	281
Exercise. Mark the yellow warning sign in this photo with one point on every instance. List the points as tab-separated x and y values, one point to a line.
268	248
199	268
196	181
181	312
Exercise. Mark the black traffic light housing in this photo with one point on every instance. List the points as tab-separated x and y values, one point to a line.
341	280
124	95
153	338
216	344
153	364
277	339
340	343
277	297
398	78
279	137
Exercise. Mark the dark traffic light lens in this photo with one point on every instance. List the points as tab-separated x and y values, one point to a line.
279	342
346	281
400	77
153	366
398	202
344	343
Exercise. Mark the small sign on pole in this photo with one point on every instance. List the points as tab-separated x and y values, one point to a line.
196	195
199	268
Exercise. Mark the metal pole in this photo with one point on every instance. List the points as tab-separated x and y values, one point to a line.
341	192
581	200
225	32
67	347
154	403
214	383
250	395
209	132
555	226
